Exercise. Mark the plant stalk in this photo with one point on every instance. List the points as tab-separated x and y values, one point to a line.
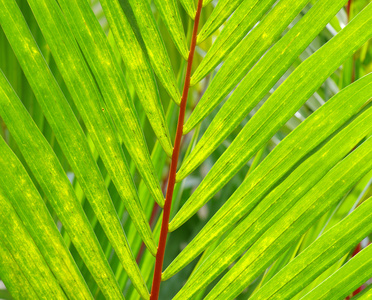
173	167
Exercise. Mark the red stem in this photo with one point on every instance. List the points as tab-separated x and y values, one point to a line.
348	7
173	168
151	222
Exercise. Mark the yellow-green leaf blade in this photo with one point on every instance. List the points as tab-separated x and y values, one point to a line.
69	135
159	159
50	175
320	255
13	277
296	221
282	104
346	279
170	15
15	238
221	12
239	24
206	2
190	8
158	55
365	294
108	74
287	154
30	207
244	56
140	71
90	104
260	80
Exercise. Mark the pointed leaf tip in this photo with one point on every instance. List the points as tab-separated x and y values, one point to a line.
155	46
170	15
193	81
187	127
221	12
189	6
176	223
206	2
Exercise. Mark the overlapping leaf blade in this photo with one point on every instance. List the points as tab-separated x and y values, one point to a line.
19	192
221	12
139	69
272	207
289	152
13	277
296	221
155	47
67	130
91	107
364	294
347	279
244	18
56	186
190	8
170	15
159	160
243	57
321	254
206	2
283	103
15	238
110	79
260	79
278	199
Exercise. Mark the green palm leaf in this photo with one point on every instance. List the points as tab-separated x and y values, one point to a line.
171	17
243	57
277	95
27	203
189	6
90	104
345	280
286	100
222	11
71	139
111	82
285	156
13	276
139	67
48	172
258	81
365	294
155	47
269	209
295	222
15	238
243	19
326	250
